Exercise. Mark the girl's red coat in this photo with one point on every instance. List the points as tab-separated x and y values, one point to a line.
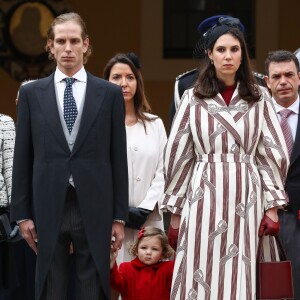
135	280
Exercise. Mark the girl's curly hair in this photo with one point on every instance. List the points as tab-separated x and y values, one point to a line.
151	232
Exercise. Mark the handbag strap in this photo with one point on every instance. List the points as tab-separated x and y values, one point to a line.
281	251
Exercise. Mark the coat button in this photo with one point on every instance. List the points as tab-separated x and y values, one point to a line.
135	148
138	179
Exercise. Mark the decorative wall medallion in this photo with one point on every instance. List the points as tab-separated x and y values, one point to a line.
23	36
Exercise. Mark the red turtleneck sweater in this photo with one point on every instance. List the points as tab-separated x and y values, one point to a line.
227	93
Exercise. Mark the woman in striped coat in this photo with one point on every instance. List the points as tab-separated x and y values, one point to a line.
225	165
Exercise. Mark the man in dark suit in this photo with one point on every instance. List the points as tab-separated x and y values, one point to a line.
70	182
283	79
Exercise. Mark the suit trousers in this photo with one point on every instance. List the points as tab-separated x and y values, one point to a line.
289	235
87	280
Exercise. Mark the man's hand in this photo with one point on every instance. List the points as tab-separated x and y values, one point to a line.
71	250
28	233
117	234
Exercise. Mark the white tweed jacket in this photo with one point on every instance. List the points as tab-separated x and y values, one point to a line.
7	142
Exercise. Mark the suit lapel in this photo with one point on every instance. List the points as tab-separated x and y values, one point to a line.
48	103
296	147
94	97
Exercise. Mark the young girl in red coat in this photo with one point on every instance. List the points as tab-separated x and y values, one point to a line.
149	275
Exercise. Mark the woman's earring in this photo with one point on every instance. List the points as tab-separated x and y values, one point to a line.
211	61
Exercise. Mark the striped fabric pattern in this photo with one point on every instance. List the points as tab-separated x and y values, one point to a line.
7	143
286	129
223	167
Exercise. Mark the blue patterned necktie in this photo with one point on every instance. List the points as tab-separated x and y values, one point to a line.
70	108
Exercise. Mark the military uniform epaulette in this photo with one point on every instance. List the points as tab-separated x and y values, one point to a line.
259	75
190	72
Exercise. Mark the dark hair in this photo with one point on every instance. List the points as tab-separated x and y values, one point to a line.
141	104
208	85
148	231
71	16
280	56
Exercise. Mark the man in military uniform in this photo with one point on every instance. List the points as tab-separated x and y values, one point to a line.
183	81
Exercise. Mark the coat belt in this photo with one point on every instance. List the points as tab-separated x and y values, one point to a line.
228	157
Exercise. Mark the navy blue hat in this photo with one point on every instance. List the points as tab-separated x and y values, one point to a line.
214	21
211	29
134	58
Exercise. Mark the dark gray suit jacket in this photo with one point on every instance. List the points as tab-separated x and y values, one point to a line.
293	176
43	163
289	223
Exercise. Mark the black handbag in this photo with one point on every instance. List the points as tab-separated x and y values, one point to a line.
8	233
273	279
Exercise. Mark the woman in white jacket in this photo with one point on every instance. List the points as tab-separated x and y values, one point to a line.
146	139
8	270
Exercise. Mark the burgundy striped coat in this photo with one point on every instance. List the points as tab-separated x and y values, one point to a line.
224	166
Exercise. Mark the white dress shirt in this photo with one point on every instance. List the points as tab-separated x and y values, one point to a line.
79	86
293	118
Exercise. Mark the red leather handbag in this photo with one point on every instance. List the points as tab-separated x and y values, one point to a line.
273	279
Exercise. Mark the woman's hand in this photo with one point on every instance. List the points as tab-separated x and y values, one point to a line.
174	230
269	223
272	214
